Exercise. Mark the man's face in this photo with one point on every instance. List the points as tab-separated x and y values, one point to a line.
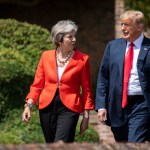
131	31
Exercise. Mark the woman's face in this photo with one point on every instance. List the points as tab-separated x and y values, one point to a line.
69	41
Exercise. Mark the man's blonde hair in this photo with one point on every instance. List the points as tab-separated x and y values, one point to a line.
138	16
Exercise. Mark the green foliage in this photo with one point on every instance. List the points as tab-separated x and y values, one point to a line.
142	5
21	45
90	135
14	131
23	36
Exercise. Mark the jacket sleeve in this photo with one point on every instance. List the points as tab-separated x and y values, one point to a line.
102	90
88	102
38	84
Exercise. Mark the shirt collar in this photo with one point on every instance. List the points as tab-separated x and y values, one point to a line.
138	42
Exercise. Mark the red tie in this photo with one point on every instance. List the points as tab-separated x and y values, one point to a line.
127	70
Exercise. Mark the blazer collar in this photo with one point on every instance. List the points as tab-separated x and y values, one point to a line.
70	65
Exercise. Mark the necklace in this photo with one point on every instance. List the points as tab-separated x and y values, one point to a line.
66	59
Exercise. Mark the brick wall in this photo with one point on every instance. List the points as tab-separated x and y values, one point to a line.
119	9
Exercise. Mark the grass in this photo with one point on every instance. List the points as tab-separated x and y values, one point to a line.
14	131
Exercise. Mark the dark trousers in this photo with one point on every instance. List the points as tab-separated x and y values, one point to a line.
136	127
58	122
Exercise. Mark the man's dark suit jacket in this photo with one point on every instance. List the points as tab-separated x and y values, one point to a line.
110	79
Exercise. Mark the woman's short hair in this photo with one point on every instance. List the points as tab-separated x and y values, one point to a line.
138	16
60	29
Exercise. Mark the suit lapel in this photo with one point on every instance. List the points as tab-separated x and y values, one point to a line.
143	52
122	55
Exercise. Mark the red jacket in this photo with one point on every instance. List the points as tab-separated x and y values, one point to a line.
75	76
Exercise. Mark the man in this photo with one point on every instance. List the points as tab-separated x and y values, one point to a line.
123	86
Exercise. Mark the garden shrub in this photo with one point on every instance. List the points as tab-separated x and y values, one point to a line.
14	131
23	36
90	135
21	45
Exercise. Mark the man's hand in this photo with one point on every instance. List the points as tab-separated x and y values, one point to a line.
102	115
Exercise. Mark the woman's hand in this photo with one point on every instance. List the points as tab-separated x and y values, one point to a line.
84	125
84	122
26	115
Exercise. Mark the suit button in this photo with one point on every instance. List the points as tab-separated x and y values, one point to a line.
60	84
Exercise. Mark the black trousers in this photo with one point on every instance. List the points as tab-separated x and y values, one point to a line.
58	122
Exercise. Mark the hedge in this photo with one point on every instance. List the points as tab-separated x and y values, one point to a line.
21	45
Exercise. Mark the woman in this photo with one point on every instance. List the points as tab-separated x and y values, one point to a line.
60	76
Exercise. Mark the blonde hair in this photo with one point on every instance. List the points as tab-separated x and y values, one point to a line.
138	16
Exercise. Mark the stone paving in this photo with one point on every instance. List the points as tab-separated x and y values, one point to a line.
105	134
78	146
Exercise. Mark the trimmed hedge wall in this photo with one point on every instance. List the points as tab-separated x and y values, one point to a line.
21	45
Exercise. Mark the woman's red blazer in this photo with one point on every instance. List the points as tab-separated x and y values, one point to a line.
74	87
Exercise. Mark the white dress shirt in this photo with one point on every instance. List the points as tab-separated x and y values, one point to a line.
60	71
134	87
